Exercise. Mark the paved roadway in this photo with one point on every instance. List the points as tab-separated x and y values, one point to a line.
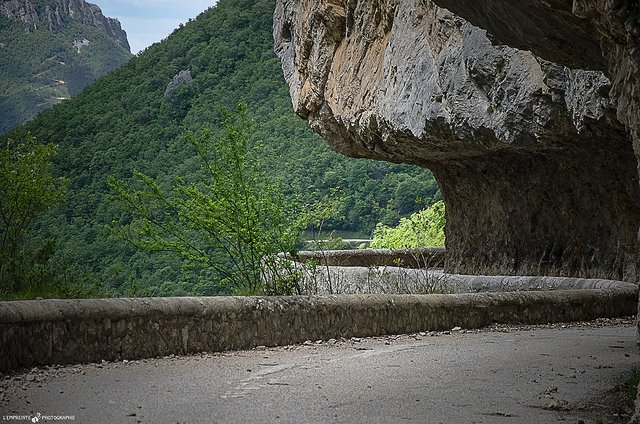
543	375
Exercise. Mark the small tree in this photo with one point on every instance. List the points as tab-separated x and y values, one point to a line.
231	221
27	190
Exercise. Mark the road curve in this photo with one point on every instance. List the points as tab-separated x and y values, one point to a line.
483	376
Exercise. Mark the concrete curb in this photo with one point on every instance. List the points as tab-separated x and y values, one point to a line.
50	332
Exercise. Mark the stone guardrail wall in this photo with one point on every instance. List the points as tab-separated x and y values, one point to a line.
49	332
432	257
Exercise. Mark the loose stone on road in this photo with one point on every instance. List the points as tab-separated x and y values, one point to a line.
504	375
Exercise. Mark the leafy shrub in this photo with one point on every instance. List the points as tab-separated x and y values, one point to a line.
230	222
28	189
422	229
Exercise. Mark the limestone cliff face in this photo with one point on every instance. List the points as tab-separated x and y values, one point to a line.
52	15
538	173
586	34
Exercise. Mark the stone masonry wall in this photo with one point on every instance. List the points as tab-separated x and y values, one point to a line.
423	257
72	331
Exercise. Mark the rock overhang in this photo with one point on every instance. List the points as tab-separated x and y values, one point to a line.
537	172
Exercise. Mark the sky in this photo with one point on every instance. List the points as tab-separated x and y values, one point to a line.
148	21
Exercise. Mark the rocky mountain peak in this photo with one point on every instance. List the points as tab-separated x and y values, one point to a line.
53	14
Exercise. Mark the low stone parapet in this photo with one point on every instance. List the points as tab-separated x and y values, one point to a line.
46	332
424	257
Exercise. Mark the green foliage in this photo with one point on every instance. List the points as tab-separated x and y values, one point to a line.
123	121
230	221
27	190
422	229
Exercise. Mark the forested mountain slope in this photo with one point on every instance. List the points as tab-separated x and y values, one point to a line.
49	51
136	118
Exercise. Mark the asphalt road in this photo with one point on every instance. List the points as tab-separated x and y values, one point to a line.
543	375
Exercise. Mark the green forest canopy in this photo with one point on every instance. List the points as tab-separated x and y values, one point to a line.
123	122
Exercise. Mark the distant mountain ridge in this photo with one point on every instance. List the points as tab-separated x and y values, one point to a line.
54	15
50	50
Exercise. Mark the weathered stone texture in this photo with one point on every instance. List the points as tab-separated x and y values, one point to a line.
606	36
66	331
351	272
181	78
538	174
547	28
428	257
584	34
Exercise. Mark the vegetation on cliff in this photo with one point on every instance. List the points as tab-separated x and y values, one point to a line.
124	122
46	62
